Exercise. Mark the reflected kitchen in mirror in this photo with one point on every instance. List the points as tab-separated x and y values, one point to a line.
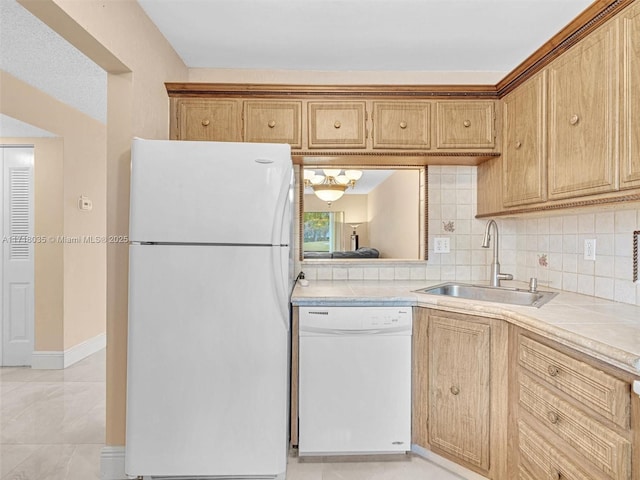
363	213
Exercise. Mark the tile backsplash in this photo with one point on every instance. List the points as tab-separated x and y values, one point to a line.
549	247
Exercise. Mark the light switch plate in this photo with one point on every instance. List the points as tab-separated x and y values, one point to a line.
441	245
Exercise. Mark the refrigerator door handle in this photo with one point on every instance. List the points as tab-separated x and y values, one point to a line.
282	224
280	275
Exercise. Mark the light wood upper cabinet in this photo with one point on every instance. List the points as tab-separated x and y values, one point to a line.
337	124
465	124
402	125
211	120
583	117
524	166
630	110
273	122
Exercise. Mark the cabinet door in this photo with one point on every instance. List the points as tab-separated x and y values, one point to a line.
337	124
212	120
402	125
459	388
273	122
630	122
583	117
523	152
465	124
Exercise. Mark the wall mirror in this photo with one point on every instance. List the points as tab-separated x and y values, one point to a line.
365	213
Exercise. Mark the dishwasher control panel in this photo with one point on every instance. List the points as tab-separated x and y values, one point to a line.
370	318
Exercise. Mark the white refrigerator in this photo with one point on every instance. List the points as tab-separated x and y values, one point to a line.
209	285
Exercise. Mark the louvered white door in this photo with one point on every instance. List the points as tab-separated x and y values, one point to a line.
17	256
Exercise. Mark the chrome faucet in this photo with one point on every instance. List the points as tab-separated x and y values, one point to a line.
496	276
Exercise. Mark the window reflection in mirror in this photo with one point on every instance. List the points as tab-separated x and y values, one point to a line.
363	213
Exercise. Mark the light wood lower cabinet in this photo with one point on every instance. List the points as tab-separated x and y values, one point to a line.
570	418
460	389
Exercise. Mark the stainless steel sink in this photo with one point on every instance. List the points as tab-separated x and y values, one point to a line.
512	296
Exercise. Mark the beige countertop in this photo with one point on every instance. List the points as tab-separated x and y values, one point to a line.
606	330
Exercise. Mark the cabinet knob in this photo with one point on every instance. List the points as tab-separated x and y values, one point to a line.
205	122
518	145
467	123
454	390
403	125
272	123
337	124
574	119
553	417
553	370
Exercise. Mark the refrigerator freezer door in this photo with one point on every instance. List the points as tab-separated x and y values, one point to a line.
207	369
210	192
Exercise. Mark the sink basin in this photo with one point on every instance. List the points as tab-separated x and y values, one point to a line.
512	296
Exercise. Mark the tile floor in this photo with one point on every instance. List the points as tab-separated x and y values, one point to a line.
52	421
409	468
52	428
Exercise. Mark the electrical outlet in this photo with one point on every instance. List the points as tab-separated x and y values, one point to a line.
590	249
441	245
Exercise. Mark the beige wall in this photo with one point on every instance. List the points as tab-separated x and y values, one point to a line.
118	36
70	277
394	222
355	211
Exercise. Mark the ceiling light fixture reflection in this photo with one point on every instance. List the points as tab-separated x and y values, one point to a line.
332	185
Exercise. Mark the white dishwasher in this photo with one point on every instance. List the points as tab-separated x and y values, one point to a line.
354	380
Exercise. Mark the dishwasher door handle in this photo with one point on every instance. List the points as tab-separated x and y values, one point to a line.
328	332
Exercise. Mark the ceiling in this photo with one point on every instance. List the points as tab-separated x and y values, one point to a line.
481	36
360	35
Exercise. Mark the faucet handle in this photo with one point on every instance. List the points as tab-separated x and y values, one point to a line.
533	284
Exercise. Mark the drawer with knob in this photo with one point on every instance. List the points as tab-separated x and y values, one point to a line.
542	461
606	449
465	124
273	122
591	387
402	125
210	120
337	124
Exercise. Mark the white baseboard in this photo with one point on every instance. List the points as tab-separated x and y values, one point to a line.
47	360
464	473
56	360
112	463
